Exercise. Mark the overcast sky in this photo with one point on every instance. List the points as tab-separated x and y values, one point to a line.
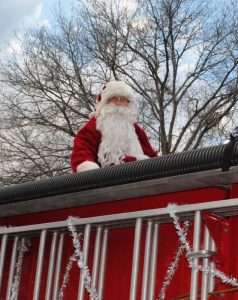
15	13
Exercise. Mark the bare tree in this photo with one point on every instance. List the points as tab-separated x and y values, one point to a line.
46	96
180	57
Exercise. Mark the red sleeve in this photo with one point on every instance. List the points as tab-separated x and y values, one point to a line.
86	144
144	141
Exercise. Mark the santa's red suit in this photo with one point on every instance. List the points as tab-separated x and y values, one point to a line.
112	135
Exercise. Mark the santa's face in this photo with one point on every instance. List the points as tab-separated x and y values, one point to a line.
120	101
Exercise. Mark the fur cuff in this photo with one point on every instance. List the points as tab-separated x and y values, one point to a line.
141	157
87	166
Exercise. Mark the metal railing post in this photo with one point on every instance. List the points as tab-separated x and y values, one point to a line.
146	269
22	244
86	244
58	267
196	246
102	264
51	266
97	253
136	259
211	281
2	255
39	265
153	262
12	266
204	291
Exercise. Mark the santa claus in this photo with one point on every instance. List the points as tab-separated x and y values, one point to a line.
111	136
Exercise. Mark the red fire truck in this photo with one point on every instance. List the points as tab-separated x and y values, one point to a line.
131	243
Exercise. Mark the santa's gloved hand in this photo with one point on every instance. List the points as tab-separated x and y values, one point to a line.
127	159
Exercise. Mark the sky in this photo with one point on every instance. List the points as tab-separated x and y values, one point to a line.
14	14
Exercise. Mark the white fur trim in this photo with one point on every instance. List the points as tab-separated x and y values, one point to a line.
141	157
117	88
87	165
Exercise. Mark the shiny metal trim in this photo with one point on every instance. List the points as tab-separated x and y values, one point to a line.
12	267
39	267
51	266
2	255
223	207
23	244
196	246
201	254
211	279
204	291
136	259
147	257
153	262
58	267
97	253
86	245
102	264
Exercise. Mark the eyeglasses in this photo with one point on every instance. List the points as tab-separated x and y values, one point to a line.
115	99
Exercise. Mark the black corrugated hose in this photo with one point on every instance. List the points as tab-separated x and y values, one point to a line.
168	165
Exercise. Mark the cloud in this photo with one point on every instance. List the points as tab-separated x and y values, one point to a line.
14	13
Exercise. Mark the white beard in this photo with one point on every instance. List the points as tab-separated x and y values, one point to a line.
119	139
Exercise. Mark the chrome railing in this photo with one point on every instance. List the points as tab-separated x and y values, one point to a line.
102	225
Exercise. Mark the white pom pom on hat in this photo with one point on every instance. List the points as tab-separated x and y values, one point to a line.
113	89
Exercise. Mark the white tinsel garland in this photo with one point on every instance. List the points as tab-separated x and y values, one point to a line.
81	262
183	240
173	265
22	248
66	276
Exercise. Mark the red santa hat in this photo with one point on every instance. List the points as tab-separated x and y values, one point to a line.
115	89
